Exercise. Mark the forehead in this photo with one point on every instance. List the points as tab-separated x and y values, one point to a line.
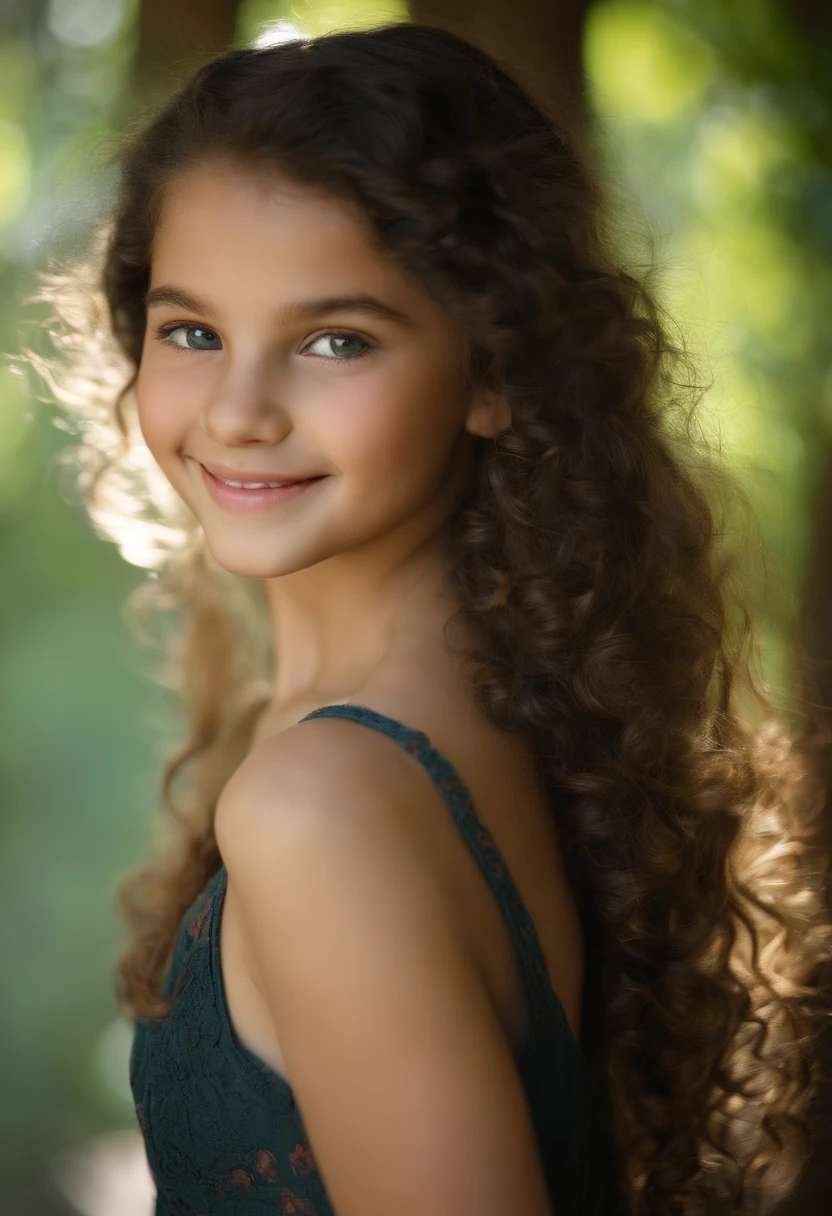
227	222
227	189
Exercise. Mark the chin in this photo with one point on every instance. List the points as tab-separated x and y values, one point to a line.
248	565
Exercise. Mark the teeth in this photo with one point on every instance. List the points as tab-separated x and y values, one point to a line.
255	485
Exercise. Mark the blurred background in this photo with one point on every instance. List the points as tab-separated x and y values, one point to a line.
710	121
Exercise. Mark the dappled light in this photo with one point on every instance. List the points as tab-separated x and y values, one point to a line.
713	135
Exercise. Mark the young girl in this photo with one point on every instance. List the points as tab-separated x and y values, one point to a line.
464	910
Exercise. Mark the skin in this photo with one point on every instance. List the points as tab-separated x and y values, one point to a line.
356	563
344	919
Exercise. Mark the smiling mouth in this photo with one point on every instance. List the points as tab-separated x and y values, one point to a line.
255	496
254	482
259	485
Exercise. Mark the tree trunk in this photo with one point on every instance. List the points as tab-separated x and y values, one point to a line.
174	37
537	40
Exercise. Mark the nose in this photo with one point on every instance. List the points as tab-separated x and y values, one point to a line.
242	407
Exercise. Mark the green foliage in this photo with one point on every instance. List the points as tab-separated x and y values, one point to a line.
715	121
257	17
709	127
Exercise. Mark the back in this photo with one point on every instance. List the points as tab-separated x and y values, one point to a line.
218	1120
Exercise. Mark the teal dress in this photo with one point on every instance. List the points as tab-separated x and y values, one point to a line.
221	1128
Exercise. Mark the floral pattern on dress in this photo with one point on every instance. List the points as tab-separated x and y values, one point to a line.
290	1204
301	1159
266	1165
241	1177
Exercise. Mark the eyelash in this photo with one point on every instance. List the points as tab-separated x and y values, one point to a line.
164	332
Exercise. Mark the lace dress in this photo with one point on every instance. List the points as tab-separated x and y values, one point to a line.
221	1128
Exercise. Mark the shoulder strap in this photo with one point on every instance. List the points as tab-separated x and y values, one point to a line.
460	803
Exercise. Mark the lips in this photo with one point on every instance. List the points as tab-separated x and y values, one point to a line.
262	477
239	499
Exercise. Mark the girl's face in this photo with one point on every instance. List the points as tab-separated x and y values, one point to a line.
259	357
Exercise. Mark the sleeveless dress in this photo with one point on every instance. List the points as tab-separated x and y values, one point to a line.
221	1128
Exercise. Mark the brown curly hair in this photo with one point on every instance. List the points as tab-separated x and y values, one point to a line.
590	550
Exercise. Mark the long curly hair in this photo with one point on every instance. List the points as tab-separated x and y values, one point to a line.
591	552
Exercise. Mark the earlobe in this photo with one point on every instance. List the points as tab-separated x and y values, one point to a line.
489	414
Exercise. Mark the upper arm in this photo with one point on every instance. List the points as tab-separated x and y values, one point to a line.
399	1064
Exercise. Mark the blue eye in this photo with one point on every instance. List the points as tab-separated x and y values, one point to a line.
197	331
341	353
200	338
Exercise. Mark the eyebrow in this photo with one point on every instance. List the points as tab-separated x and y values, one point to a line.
177	297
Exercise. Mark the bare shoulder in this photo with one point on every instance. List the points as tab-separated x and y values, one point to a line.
317	776
330	802
369	982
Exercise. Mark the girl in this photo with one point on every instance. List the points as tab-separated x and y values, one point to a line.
464	911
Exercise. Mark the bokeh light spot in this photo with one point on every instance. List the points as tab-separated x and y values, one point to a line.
15	169
642	63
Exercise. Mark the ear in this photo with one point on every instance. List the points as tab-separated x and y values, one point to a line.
488	413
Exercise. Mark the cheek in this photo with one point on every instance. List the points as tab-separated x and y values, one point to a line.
398	430
161	409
